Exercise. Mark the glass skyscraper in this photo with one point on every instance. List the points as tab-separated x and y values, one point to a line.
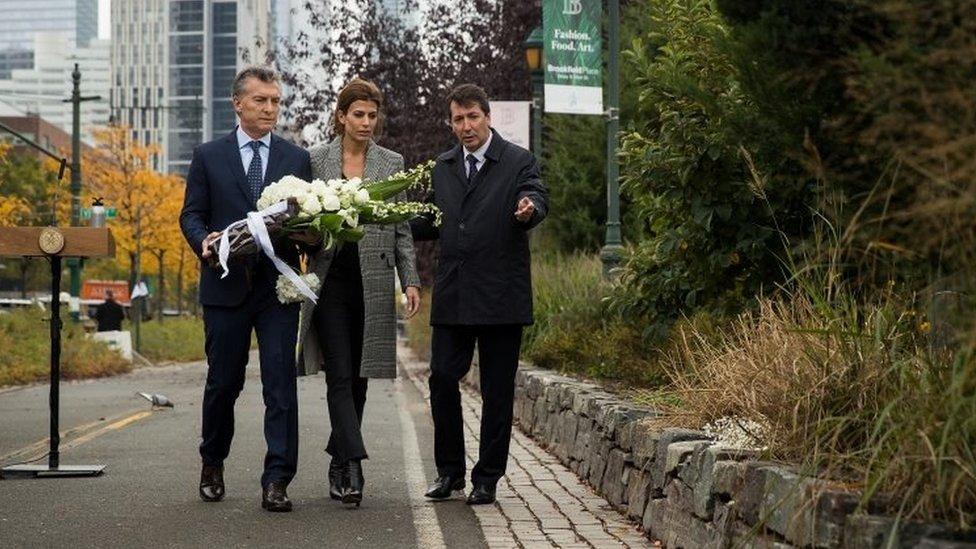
42	89
76	20
173	65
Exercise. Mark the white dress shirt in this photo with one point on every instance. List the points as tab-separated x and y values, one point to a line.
478	154
247	153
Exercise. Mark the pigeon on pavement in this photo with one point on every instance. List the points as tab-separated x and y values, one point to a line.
157	399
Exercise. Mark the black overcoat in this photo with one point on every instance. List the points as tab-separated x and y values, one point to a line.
484	271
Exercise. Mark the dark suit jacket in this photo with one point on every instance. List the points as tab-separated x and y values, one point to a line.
217	194
109	316
483	274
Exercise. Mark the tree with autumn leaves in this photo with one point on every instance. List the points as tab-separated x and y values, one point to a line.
30	194
119	170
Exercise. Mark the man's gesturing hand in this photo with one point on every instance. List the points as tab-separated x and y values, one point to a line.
210	239
524	210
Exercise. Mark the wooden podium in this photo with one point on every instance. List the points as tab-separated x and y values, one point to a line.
55	243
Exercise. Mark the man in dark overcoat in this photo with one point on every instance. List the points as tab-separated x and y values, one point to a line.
491	195
109	315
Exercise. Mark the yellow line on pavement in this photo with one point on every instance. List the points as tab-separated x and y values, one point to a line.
111	427
82	433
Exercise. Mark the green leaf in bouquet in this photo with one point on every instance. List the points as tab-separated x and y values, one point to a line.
315	224
330	222
351	235
388	188
395	217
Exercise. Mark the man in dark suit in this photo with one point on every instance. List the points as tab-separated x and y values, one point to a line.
491	195
224	182
109	315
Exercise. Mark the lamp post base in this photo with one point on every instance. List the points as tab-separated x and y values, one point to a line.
46	471
612	256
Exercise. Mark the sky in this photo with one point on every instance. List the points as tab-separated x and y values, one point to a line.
104	31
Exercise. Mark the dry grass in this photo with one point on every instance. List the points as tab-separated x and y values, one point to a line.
851	392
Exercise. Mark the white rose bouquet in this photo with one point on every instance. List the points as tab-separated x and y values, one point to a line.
335	209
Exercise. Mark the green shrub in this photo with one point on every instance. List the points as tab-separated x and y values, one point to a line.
566	289
874	98
25	338
575	173
574	332
714	230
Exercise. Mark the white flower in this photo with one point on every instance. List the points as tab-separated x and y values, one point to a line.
351	217
351	186
362	196
319	187
288	292
309	204
330	202
291	181
283	189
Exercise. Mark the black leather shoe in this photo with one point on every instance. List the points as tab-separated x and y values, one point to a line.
336	472
212	483
481	494
352	491
275	498
444	486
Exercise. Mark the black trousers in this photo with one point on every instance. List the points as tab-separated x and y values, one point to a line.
452	348
228	340
339	322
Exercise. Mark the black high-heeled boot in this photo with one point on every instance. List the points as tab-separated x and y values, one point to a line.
352	492
337	470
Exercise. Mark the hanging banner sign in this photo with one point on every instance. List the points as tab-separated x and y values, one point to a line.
573	56
511	120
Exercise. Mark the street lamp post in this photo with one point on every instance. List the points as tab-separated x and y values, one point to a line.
76	99
533	58
612	251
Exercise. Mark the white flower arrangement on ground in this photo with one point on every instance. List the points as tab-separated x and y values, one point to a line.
336	210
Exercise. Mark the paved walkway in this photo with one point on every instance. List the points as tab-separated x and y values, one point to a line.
148	493
540	503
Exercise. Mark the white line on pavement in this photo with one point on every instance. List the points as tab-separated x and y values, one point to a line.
424	517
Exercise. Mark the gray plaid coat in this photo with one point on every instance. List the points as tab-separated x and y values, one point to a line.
383	247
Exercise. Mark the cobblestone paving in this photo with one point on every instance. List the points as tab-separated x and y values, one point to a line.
540	503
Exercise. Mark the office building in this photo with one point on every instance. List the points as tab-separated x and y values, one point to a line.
42	89
173	64
76	20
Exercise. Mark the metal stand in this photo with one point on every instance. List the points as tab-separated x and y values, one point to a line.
53	467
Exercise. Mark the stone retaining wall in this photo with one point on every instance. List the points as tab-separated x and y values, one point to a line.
689	491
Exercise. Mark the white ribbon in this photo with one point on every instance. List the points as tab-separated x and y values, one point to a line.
223	252
255	224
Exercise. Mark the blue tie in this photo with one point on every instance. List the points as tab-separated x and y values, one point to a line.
472	168
254	178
